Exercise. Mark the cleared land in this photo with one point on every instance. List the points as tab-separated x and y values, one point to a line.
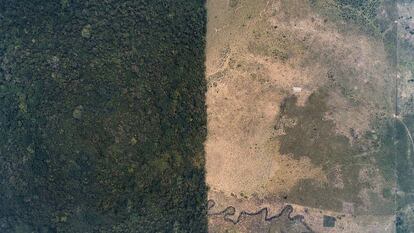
300	104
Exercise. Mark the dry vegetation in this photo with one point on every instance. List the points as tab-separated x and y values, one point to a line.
258	54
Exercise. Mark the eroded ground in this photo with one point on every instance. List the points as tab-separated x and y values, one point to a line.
301	109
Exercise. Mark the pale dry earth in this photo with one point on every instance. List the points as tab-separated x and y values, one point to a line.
260	52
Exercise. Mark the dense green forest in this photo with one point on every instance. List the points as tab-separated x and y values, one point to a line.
102	116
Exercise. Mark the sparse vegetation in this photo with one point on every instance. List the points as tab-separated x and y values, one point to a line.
363	14
325	148
233	3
